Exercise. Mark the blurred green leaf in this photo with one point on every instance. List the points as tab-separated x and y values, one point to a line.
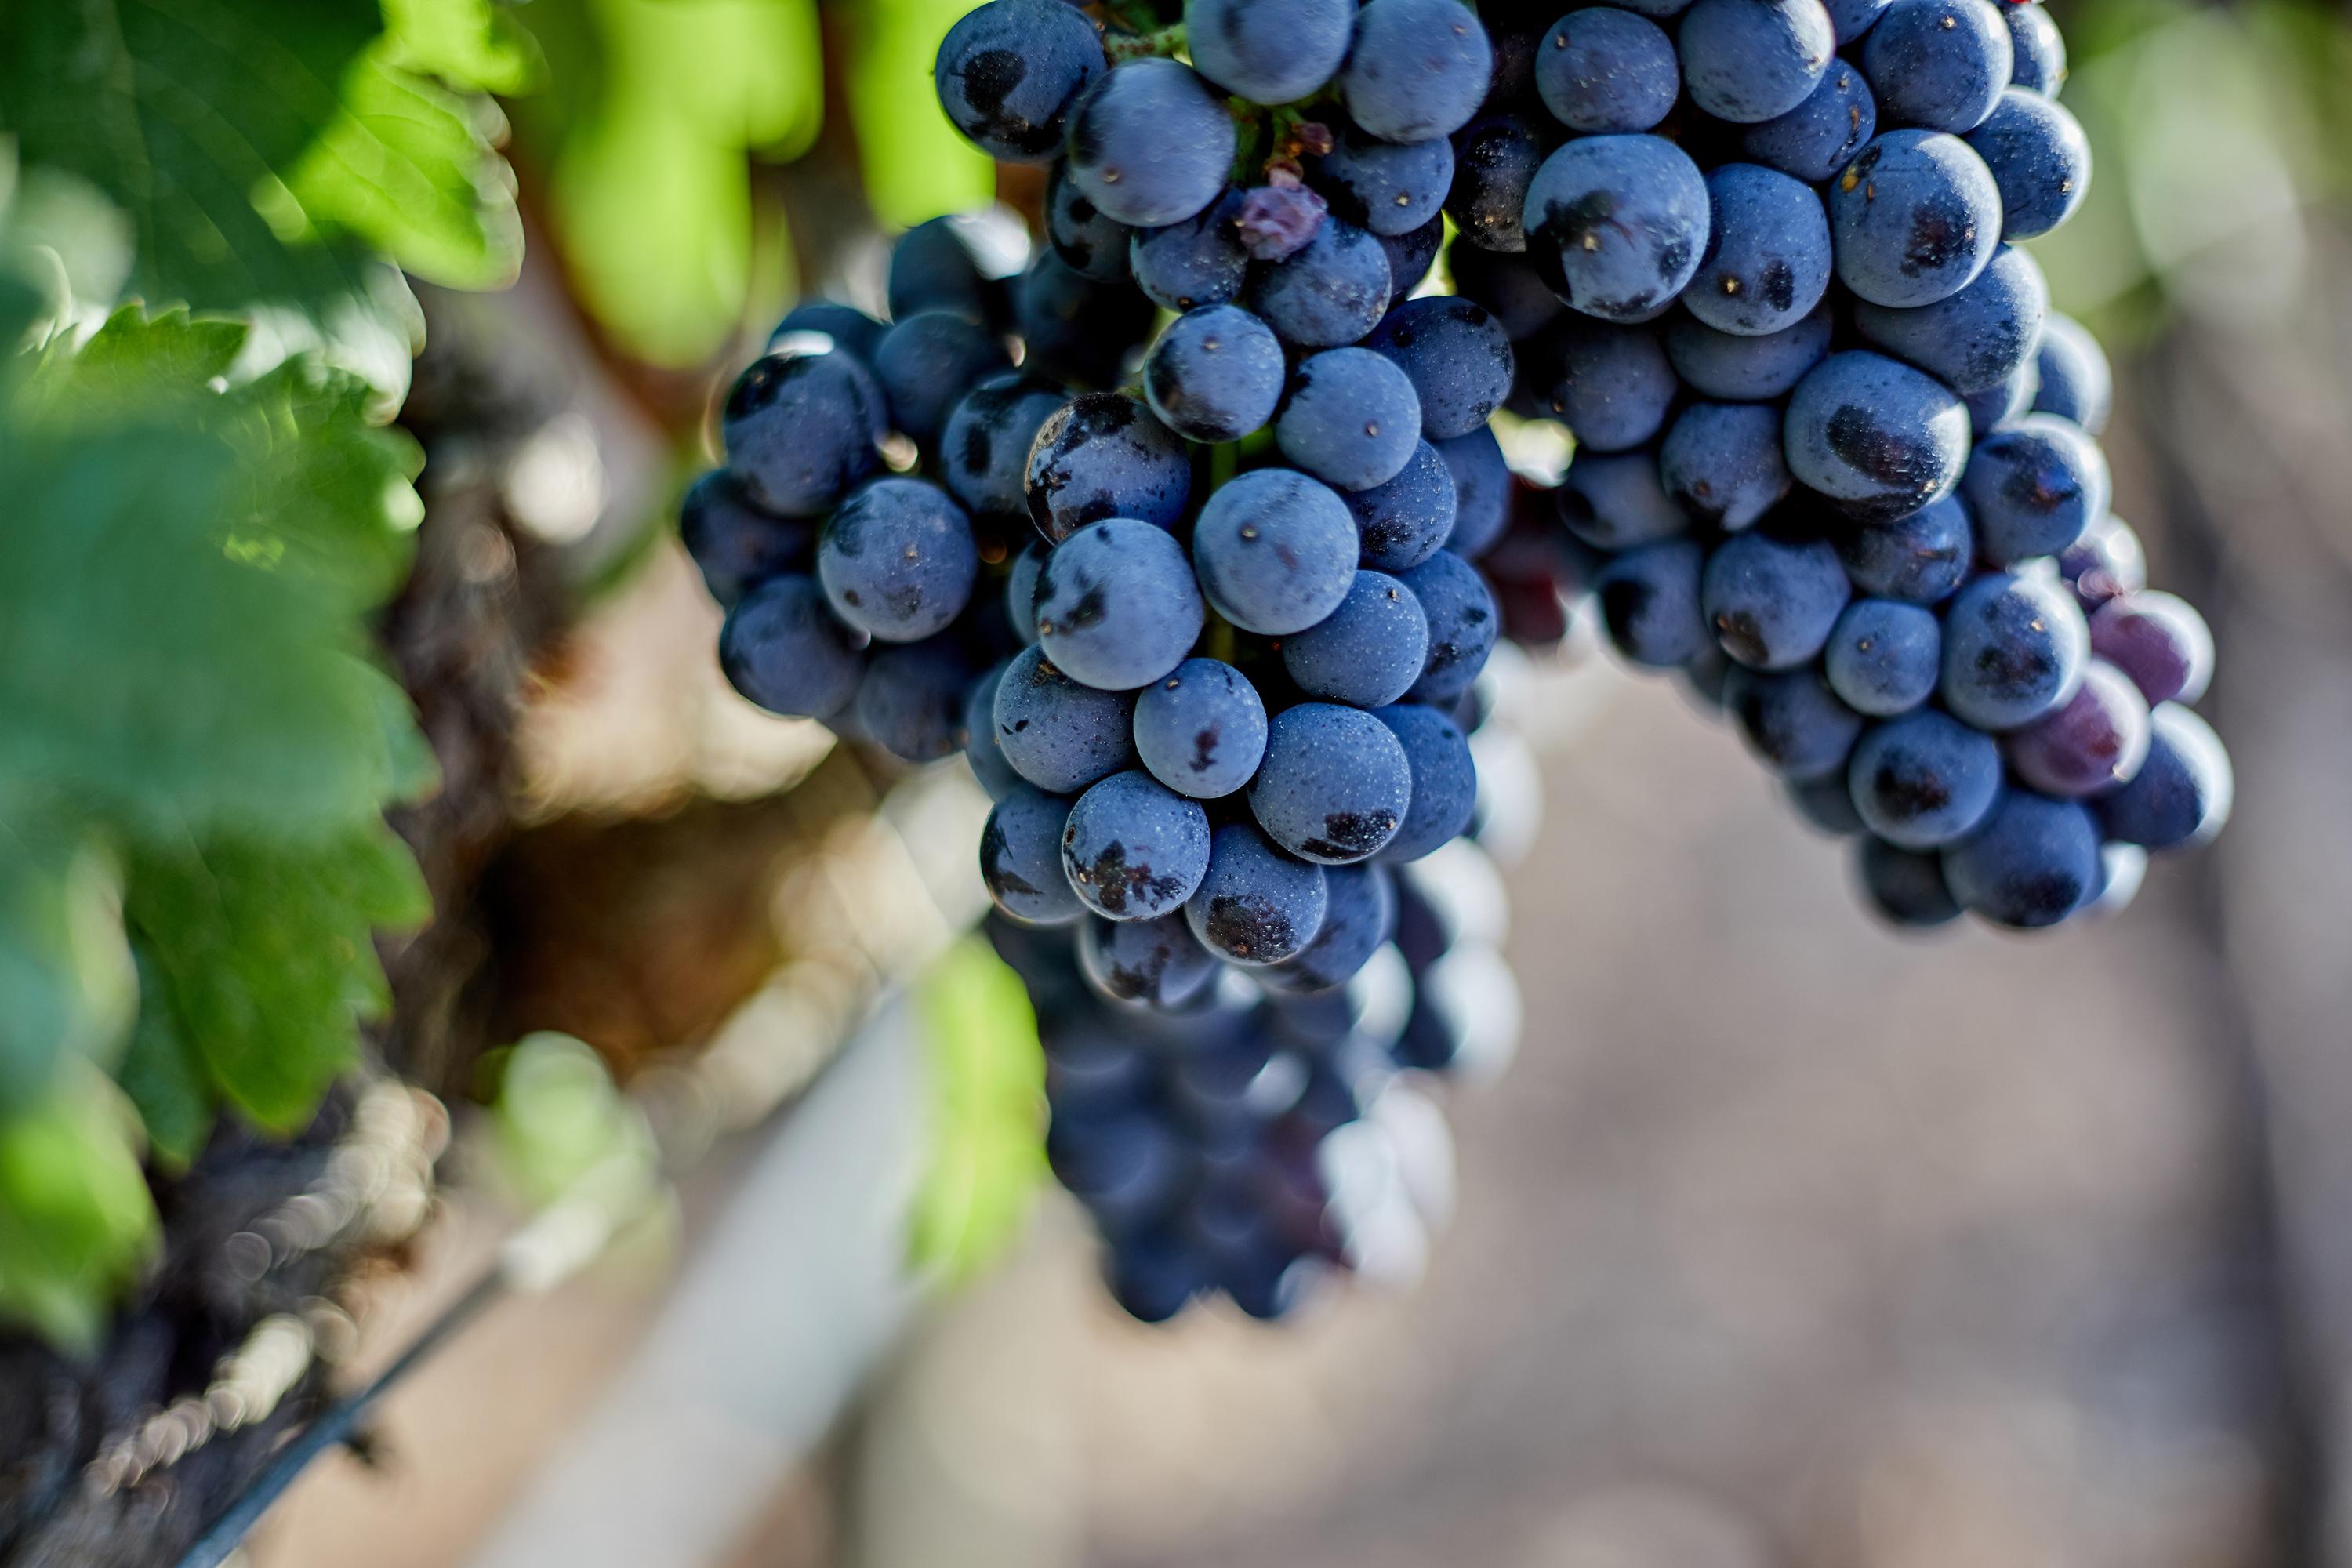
76	1218
988	1079
65	985
466	43
163	1079
917	165
561	1119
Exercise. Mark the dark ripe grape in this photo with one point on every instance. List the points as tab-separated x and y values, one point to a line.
1751	60
1117	605
1328	294
1215	375
2096	741
2157	639
1996	405
1201	729
1510	287
1463	625
1404	522
984	448
2037	49
1077	329
2032	863
1914	218
1082	234
1939	64
1611	385
1367	652
1482	492
1495	160
898	560
1884	657
995	774
1410	255
2181	795
1277	221
1771	602
1455	354
1256	905
1606	72
1150	963
1827	804
958	264
1334	786
1614	500
1722	463
1106	455
1649	603
1351	418
1921	558
1387	187
1129	1170
2033	486
1008	72
1197	262
1850	19
1820	135
1059	735
1021	591
1417	68
2074	381
1149	143
1616	224
2040	160
2107	561
1793	722
782	650
800	429
1134	849
1268	51
1276	551
1924	780
1444	780
1877	438
734	544
1021	858
2013	650
1746	369
927	362
1767	262
1904	886
853	332
1974	340
910	701
1360	910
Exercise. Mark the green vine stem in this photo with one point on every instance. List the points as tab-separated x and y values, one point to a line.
1163	44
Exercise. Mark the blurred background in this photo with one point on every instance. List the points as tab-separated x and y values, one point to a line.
1785	1240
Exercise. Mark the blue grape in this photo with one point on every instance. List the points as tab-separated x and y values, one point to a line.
1914	218
1820	135
1077	329
2181	795
1753	60
2040	160
1149	143
2003	401
782	650
1082	234
2107	561
1197	262
2157	639
1941	64
1329	293
927	362
1008	72
2098	740
996	775
1482	492
1722	462
1367	652
1417	68
910	701
957	264
1134	849
1850	19
1020	591
984	448
1495	160
1106	455
1021	858
1767	261
1921	558
1387	187
1059	735
1924	780
1444	780
1406	521
1456	356
1611	385
2034	485
1334	786
1201	729
1117	605
1615	500
1276	551
735	545
1510	286
2122	868
1746	369
1360	910
1411	256
1256	905
1350	417
1268	51
2037	49
1904	886
2014	649
1650	605
1463	625
800	429
1151	962
1791	720
2075	383
1215	375
2032	863
1975	339
1128	1170
898	560
1616	224
1877	438
1606	72
1827	804
853	332
1772	601
1884	657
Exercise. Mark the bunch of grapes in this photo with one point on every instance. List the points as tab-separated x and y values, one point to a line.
1837	456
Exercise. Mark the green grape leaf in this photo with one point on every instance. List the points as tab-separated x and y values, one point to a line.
77	1221
467	43
988	1097
264	953
164	1079
66	988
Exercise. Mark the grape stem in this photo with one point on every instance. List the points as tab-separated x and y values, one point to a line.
1162	45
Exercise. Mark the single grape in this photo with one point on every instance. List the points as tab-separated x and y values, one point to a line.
1134	849
1975	339
853	332
1877	438
1059	735
1826	803
1884	657
927	362
735	545
1328	294
1008	72
1276	551
1215	375
2032	863
1767	262
2034	485
2181	795
1154	1278
2095	742
1082	234
2160	640
1650	604
1268	51
1482	492
1444	780
1151	962
984	448
1924	780
959	264
996	775
1334	786
2040	159
1360	910
1752	60
1350	417
1201	729
1791	721
1078	330
800	429
1367	652
898	560
1117	605
1614	500
1745	369
1387	187
1773	601
1199	261
1616	224
1820	135
1106	455
1495	160
1463	625
1149	143
910	701
1403	522
1606	72
1021	858
1416	68
2014	649
782	650
2106	561
1256	905
1915	217
1722	463
1904	886
1941	64
1921	558
1456	356
2075	383
2037	49
1611	385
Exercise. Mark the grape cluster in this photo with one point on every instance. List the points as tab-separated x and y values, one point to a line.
1837	458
